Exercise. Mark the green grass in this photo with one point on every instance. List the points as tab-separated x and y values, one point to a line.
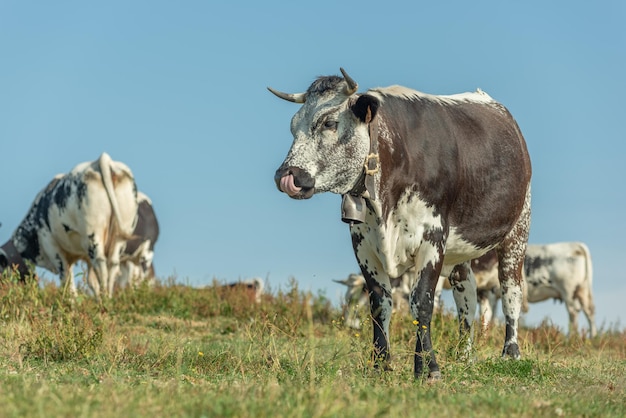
173	350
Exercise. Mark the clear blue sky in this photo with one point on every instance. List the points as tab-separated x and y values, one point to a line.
177	90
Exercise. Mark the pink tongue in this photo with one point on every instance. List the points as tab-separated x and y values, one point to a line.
288	186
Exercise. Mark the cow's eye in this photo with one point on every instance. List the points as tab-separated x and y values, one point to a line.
330	124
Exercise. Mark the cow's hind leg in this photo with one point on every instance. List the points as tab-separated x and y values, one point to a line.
511	253
98	261
487	300
114	265
93	281
464	291
589	309
572	310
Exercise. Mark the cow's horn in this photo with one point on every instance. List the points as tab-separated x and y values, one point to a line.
352	85
295	98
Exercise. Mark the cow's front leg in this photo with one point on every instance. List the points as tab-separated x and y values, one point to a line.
381	306
463	285
421	302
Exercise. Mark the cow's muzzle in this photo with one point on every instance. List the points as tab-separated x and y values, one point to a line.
294	181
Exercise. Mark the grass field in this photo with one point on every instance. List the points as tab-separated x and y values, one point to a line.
177	351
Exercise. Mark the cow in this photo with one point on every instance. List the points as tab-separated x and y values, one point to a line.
356	297
428	182
87	214
562	271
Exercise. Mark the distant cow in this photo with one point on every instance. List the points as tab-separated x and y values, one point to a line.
428	182
356	297
87	214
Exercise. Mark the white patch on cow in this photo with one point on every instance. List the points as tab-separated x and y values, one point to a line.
458	251
478	96
397	241
402	235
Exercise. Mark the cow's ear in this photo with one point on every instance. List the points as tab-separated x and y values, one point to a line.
365	108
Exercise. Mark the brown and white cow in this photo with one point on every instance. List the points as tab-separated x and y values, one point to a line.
87	214
428	182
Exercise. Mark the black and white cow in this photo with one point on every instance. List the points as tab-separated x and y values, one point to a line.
562	271
429	182
137	260
87	214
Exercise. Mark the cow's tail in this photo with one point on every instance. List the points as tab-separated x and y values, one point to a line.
106	169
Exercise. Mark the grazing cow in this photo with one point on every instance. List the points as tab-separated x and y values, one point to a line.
356	297
136	261
87	214
561	271
428	182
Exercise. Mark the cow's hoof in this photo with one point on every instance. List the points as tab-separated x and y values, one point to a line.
434	377
511	351
383	367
